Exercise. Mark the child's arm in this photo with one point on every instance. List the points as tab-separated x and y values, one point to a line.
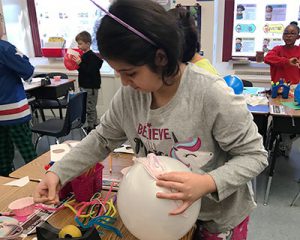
17	62
90	64
273	57
96	146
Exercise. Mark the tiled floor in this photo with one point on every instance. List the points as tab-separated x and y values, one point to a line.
277	220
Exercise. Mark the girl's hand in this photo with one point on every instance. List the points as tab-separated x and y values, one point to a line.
47	190
187	187
294	62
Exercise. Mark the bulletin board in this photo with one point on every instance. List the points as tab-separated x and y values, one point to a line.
258	25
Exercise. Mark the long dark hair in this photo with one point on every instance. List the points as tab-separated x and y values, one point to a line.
187	25
116	42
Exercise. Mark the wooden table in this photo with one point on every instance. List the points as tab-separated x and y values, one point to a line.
287	122
11	193
35	169
64	217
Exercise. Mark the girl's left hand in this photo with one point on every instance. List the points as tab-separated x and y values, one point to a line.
188	187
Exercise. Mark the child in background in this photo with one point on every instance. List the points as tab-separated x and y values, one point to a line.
89	77
191	46
14	109
284	60
164	102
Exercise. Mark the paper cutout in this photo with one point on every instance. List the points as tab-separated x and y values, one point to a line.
19	182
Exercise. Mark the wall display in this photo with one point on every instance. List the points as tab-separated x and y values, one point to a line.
57	19
258	25
67	18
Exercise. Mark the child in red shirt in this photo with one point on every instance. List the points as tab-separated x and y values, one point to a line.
284	60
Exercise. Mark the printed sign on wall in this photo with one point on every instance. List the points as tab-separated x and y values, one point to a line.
259	25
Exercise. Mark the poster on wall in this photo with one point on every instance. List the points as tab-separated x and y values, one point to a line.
246	11
275	12
259	25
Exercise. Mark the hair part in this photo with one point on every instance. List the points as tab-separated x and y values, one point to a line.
84	36
116	42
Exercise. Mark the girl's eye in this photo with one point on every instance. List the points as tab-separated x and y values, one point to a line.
131	74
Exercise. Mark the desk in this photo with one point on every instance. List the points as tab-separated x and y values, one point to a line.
53	91
288	122
35	169
11	193
65	216
260	115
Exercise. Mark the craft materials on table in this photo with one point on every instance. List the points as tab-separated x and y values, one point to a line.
125	148
255	96
292	105
19	182
139	201
99	212
85	185
280	87
58	151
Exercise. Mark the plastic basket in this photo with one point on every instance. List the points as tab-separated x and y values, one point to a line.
84	186
53	52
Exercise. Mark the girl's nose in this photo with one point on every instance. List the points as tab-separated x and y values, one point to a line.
125	80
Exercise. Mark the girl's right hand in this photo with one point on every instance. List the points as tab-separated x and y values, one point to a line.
47	190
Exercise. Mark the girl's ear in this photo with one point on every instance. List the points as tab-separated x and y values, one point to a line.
161	58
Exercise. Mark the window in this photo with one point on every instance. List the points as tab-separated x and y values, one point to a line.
66	18
255	25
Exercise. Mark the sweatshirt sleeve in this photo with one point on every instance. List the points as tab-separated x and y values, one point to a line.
273	57
237	134
18	62
96	146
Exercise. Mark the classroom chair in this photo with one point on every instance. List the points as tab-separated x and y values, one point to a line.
57	127
296	197
247	83
59	103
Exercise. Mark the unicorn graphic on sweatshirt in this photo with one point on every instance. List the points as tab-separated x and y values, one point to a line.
188	152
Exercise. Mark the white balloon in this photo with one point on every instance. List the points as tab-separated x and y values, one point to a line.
146	216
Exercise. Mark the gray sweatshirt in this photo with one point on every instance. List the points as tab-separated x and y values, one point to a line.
205	126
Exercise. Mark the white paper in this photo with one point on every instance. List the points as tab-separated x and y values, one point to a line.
58	151
19	182
124	149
